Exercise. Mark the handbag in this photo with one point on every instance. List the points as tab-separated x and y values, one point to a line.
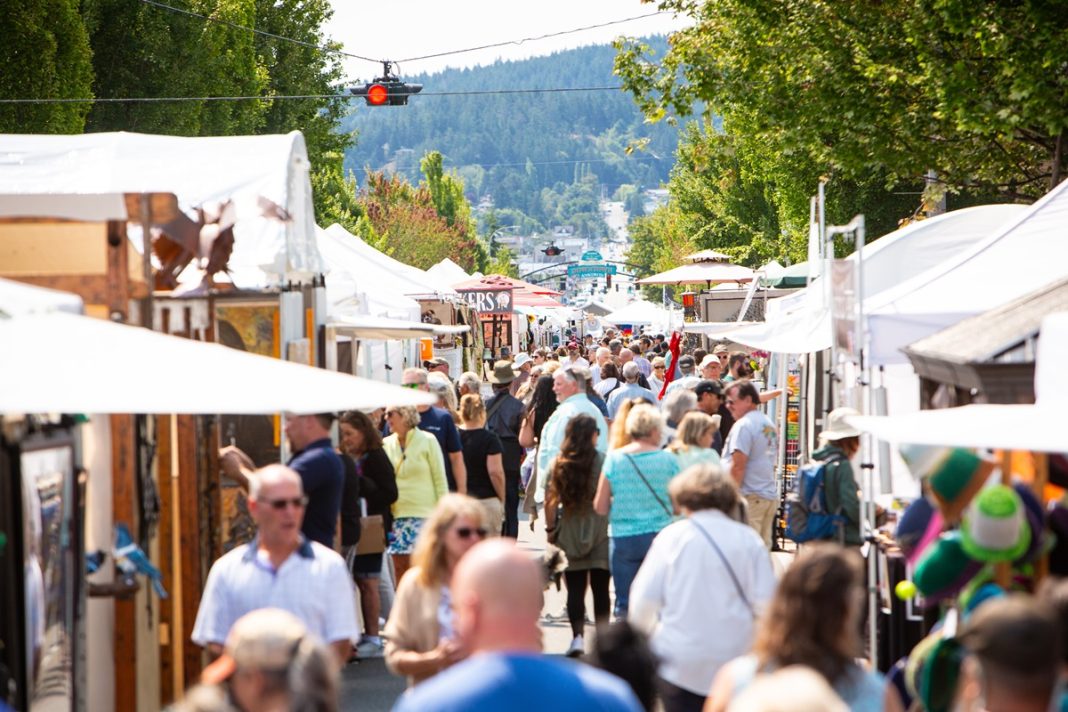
372	532
526	431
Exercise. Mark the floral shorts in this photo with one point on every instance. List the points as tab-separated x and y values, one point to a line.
405	531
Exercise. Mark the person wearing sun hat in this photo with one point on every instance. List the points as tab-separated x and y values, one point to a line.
995	526
271	662
841	442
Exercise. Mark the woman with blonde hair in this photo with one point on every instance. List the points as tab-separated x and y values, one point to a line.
693	439
813	620
632	491
482	457
617	431
420	639
440	385
420	471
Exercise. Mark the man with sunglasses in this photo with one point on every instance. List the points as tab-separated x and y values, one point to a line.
279	568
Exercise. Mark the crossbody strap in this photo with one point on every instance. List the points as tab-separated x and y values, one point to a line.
730	569
659	501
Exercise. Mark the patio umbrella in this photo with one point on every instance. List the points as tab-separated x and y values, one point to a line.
706	266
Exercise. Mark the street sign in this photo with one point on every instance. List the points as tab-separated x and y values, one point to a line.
592	256
580	271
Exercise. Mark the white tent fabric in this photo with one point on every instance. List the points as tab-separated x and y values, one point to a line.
1038	427
355	287
371	327
127	369
800	323
17	298
84	177
640	313
1020	256
409	280
448	272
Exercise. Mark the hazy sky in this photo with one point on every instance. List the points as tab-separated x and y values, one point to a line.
399	29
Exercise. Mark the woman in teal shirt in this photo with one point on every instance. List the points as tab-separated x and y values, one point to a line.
633	492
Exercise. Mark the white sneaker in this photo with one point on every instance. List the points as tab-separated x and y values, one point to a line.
577	648
370	649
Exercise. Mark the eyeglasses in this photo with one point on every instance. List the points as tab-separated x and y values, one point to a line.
280	504
468	532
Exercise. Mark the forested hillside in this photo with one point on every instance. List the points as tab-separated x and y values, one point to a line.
523	149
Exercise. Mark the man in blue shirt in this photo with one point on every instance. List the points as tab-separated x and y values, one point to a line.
631	389
317	463
497	597
569	385
439	423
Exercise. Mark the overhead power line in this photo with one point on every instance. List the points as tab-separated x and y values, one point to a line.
154	99
337	50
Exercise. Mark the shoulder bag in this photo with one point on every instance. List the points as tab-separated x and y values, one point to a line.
659	501
526	431
727	564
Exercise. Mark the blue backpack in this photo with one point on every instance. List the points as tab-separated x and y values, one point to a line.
807	518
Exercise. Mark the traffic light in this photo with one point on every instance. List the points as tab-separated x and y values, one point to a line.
387	90
552	251
608	281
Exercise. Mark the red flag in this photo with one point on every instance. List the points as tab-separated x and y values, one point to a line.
669	375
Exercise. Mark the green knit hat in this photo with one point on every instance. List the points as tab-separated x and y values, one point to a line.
944	568
995	526
954	475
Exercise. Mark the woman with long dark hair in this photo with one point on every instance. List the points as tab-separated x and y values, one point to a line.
574	526
542	406
377	485
812	621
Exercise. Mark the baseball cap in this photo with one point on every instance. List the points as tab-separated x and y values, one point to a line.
708	386
686	362
709	359
436	361
720	349
573	346
520	359
264	639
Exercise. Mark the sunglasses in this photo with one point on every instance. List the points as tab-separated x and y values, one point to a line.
410	385
659	368
468	532
280	504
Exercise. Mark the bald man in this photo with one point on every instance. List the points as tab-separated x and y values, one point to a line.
497	597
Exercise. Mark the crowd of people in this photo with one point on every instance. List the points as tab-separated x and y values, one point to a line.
655	476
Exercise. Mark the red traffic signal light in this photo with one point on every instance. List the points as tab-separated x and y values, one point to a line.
377	95
552	251
386	93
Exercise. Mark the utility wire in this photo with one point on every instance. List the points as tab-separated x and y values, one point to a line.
323	48
533	39
155	99
337	50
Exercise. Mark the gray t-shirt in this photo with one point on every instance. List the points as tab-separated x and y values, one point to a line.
754	435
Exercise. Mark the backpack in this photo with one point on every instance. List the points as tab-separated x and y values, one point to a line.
807	518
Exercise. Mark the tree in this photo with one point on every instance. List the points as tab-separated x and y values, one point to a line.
44	52
890	89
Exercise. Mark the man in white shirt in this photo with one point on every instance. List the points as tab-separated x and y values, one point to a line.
279	569
604	354
574	357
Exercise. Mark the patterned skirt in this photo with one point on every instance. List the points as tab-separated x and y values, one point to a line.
405	531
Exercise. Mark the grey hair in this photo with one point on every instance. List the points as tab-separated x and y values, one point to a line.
643	421
470	380
678	403
704	486
575	374
270	475
440	385
631	371
420	373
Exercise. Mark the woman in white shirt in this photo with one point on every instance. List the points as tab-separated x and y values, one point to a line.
700	588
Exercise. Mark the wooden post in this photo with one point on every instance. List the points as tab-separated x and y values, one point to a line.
123	498
1039	488
169	687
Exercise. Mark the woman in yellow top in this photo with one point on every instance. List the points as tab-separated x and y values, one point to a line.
420	639
420	468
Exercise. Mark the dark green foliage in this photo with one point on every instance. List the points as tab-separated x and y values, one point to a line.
44	53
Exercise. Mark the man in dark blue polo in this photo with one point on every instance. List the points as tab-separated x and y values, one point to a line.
318	464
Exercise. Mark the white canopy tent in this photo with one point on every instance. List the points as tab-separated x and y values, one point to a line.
1038	427
1022	254
448	272
639	313
85	177
121	369
801	322
17	299
408	280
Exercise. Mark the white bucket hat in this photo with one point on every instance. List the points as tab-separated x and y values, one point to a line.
837	427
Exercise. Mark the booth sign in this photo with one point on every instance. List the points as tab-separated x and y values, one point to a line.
489	302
